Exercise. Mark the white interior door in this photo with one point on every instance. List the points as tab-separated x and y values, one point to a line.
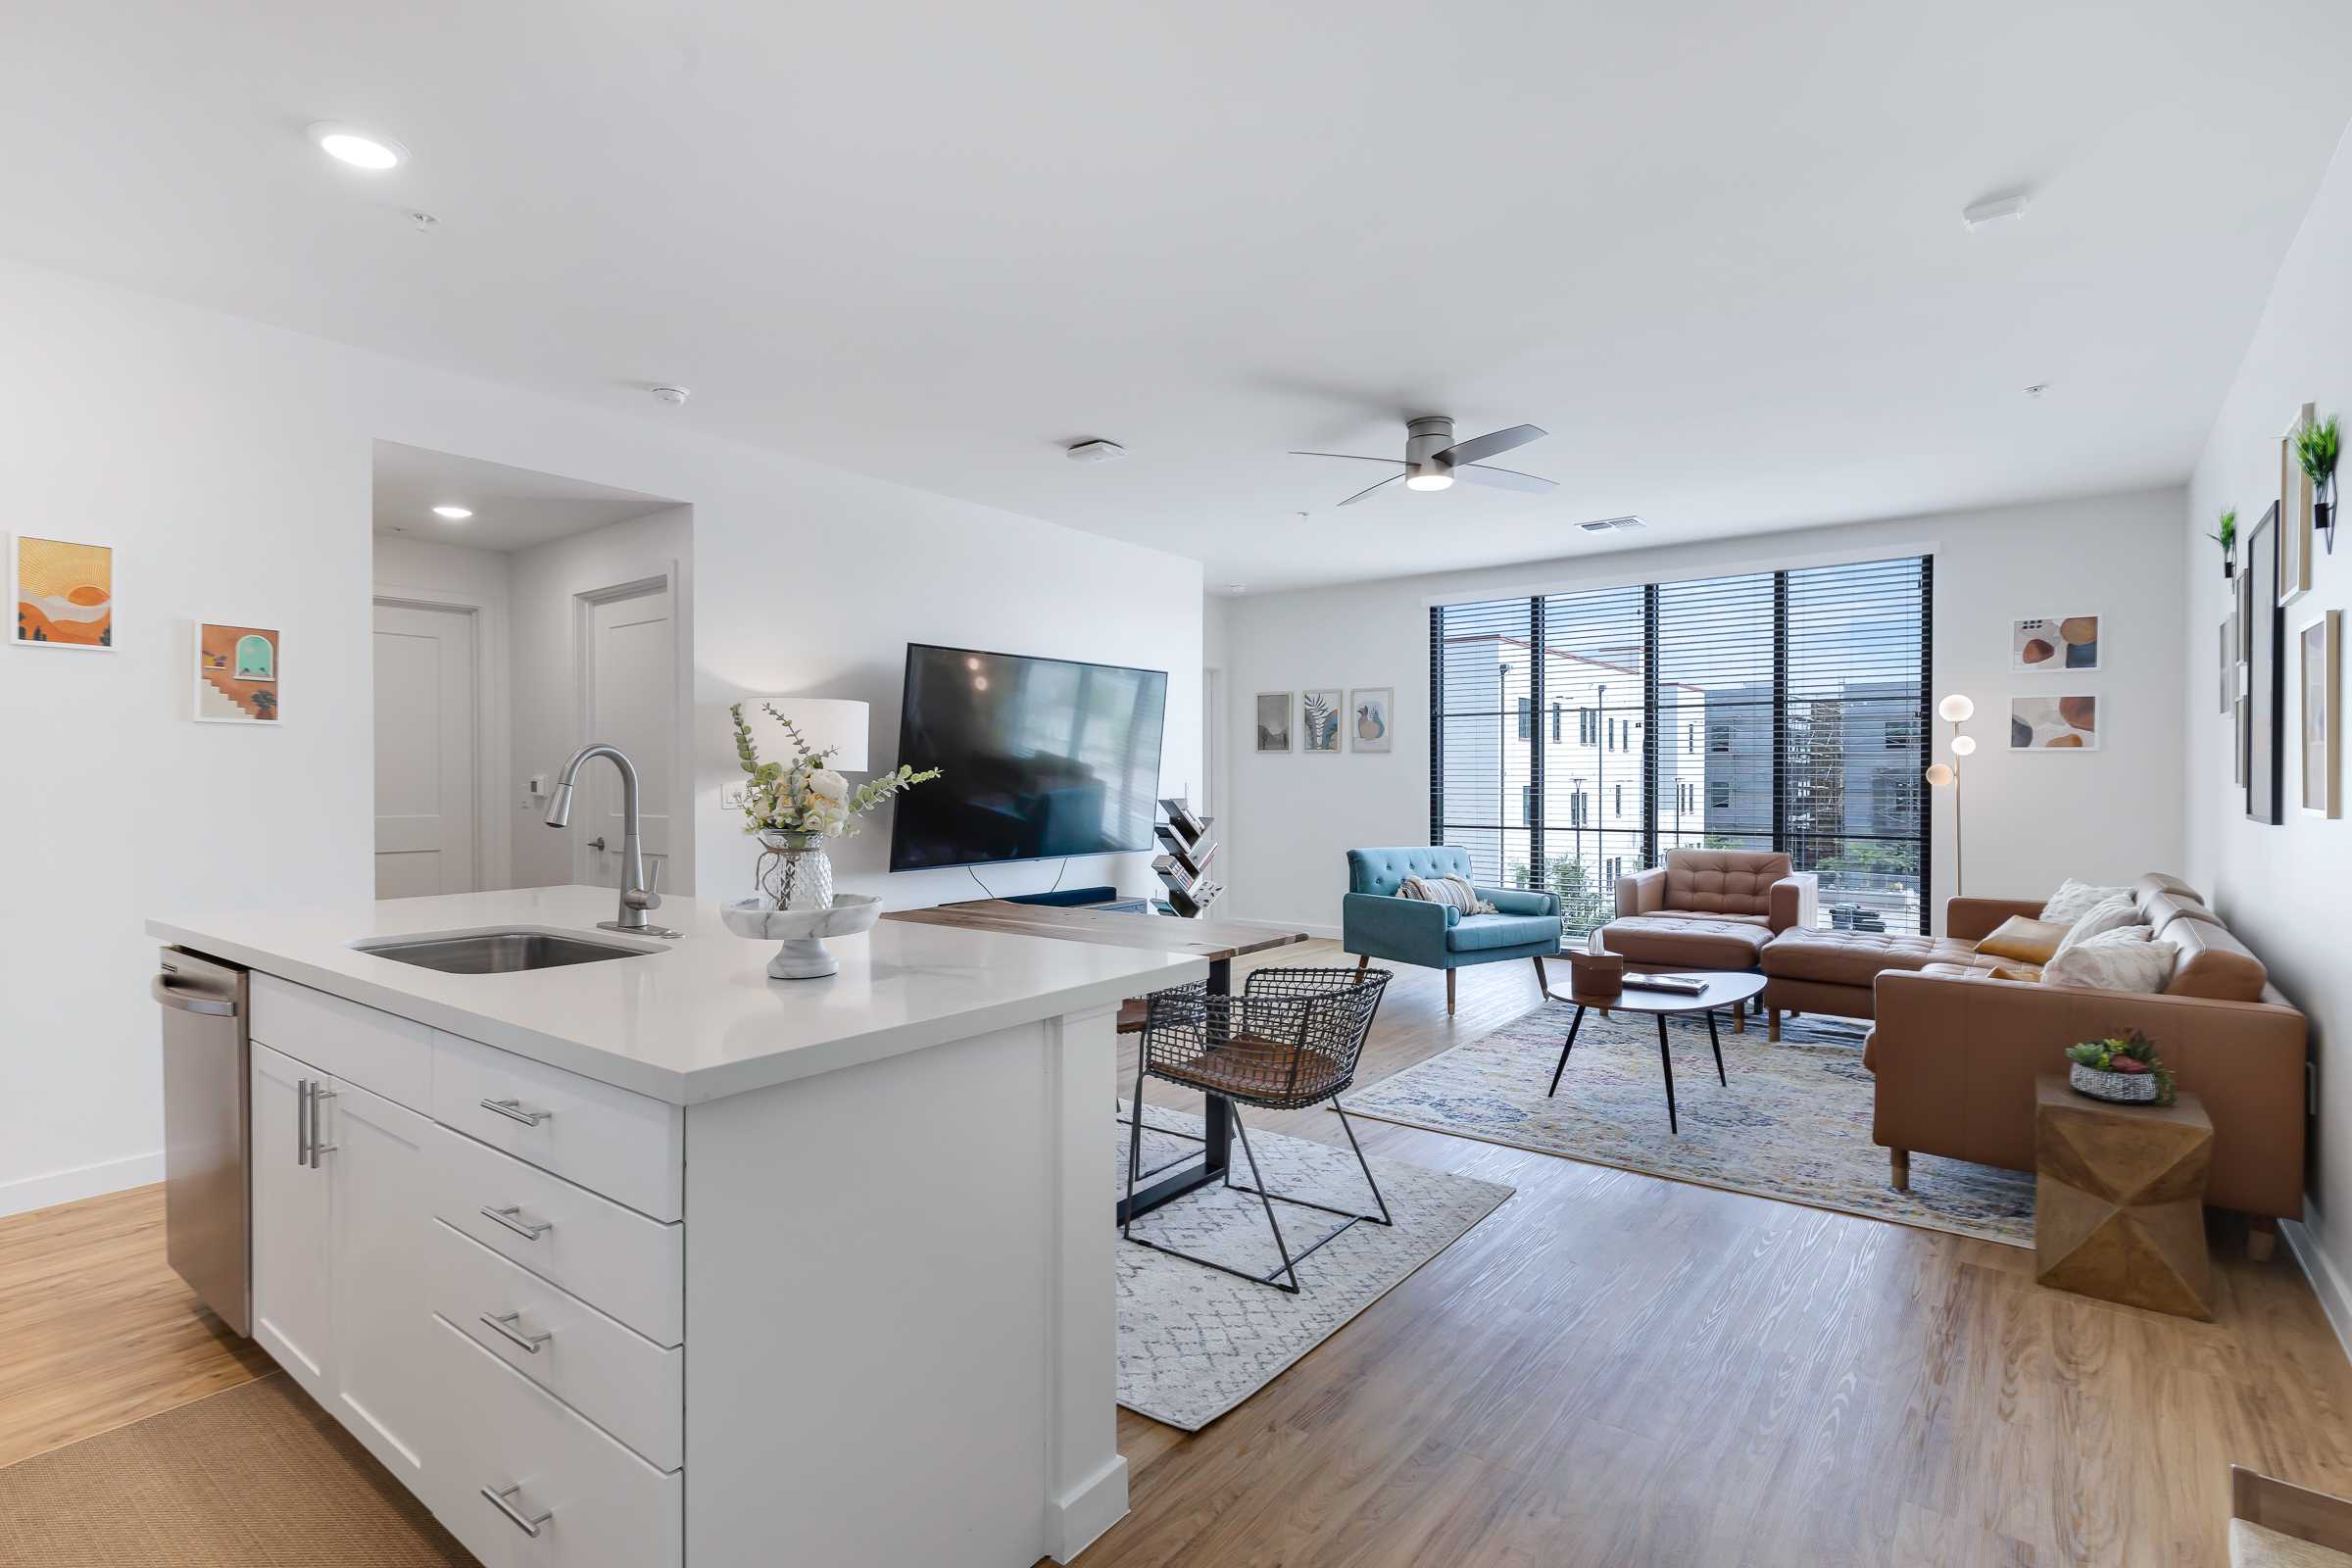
631	702
425	771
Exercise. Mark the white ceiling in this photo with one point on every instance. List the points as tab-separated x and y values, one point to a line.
1713	247
514	509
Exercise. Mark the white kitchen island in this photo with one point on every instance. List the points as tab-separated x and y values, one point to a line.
658	1261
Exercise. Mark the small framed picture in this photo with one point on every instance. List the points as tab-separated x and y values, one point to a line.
65	594
2228	662
2320	640
2054	723
1273	721
1371	717
1319	716
2295	502
2067	644
238	674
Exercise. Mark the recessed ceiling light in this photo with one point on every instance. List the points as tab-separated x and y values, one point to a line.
453	514
1993	210
361	149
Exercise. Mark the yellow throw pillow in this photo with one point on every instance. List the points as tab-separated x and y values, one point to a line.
2026	941
2030	973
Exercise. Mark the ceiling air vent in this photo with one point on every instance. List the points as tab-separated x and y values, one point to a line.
1612	524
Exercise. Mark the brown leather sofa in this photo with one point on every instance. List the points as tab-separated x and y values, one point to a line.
1707	910
1956	1051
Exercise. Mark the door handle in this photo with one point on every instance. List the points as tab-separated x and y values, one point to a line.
517	1111
302	1121
530	1230
528	1523
172	995
597	843
319	1092
508	1326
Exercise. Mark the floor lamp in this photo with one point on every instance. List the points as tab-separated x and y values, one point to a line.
1955	710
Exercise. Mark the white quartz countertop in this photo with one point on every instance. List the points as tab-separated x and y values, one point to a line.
698	1019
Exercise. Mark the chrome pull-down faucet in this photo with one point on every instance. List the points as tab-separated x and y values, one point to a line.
637	893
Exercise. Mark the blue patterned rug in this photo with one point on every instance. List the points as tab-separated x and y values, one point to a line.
1792	1124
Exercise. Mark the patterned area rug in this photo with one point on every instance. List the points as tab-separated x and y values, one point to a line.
1793	1123
1195	1342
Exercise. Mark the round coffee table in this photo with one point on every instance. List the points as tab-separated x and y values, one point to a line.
1722	991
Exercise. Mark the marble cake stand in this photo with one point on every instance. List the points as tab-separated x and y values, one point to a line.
803	954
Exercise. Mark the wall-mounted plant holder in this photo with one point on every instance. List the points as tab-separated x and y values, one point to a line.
2226	535
2318	443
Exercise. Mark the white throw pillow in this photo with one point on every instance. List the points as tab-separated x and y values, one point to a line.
2122	959
1452	890
2108	914
2074	899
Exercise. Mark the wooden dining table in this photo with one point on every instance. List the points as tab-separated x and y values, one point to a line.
1219	942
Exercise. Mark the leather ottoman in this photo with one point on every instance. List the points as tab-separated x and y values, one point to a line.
1836	971
1671	941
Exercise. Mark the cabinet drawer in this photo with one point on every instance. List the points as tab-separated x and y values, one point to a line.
625	1145
593	1503
609	1372
393	1057
611	1257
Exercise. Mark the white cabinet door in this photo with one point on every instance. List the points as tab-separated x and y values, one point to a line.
378	1265
292	1307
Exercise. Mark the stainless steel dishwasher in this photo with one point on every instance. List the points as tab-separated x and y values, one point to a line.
207	1106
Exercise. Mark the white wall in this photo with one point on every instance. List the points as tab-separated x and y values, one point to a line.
428	572
2280	887
548	579
229	465
2109	814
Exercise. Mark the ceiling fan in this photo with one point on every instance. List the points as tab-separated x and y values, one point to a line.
1433	459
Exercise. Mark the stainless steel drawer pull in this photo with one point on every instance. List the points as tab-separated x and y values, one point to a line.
515	1110
319	1092
527	1523
530	1230
302	1121
508	1326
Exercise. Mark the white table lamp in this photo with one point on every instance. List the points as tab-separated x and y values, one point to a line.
822	721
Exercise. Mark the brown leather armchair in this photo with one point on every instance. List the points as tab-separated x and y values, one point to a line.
1709	909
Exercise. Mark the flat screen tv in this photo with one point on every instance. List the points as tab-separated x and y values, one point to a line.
1039	758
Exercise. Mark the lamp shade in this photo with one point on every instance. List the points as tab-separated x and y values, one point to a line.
1940	774
1955	709
823	721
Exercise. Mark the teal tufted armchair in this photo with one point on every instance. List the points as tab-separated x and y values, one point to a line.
1375	923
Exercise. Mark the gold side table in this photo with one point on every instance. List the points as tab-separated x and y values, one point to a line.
2118	1199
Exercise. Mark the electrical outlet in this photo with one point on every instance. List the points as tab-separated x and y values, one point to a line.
730	797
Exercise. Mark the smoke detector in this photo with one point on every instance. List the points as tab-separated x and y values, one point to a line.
1093	452
1612	525
1993	211
674	396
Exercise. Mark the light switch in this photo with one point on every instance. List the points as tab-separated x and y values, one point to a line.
730	797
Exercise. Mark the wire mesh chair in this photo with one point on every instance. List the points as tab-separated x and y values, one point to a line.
1291	1039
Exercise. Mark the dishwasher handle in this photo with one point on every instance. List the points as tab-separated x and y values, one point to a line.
172	995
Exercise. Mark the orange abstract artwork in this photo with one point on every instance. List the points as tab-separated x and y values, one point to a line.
237	674
64	593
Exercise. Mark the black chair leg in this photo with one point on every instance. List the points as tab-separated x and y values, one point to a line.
1272	1224
1350	1130
1134	1142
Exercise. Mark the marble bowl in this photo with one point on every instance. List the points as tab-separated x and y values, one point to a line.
801	932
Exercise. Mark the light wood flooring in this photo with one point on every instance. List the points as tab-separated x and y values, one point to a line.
1612	1369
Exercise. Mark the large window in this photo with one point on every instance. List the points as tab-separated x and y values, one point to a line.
1773	710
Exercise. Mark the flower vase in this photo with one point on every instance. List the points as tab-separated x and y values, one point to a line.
796	872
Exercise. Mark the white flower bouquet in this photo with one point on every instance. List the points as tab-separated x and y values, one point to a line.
803	795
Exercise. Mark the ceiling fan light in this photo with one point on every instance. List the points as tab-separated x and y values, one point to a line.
1428	481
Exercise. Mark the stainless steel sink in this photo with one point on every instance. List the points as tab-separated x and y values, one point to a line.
498	951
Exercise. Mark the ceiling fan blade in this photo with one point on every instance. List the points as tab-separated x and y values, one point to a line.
1383	485
1493	444
1503	479
1349	457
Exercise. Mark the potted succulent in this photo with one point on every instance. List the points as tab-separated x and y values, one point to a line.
2226	537
2123	1068
2317	447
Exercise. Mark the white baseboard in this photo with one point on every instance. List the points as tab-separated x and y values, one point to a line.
1080	1518
29	1192
2328	1282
